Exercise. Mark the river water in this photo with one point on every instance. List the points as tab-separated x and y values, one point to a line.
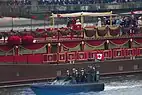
122	85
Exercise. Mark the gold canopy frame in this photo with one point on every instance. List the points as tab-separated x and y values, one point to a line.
82	14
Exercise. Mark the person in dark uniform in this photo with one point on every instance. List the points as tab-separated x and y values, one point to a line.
68	76
73	75
83	78
77	76
97	76
89	74
73	72
94	74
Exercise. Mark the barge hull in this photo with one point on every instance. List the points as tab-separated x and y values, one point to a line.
20	73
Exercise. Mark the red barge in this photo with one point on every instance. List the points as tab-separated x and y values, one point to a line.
45	53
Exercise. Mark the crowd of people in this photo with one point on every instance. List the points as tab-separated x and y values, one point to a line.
65	2
83	76
15	2
44	2
125	21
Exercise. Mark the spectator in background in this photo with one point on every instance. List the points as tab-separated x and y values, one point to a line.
118	21
140	21
99	22
78	22
133	21
107	21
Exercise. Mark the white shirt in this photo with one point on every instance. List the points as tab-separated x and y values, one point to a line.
99	23
139	22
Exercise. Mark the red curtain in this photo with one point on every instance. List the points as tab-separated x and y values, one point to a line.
34	46
138	41
5	48
70	44
96	42
119	41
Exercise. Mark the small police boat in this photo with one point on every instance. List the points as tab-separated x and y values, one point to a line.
67	88
69	85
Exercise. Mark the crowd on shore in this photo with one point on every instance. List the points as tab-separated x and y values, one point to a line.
125	21
65	2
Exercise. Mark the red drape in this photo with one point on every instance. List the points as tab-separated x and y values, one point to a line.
5	48
138	41
119	41
70	44
95	43
34	46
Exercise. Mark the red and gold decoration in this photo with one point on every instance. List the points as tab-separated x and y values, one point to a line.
137	42
71	56
62	57
90	32
118	53
50	58
34	48
59	47
14	40
102	31
71	46
6	50
49	48
114	31
27	39
82	56
130	52
64	32
94	44
118	43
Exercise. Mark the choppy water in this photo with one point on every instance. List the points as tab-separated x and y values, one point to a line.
131	85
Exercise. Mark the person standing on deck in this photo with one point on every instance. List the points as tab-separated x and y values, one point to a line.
83	77
94	74
77	76
99	24
89	74
73	72
68	76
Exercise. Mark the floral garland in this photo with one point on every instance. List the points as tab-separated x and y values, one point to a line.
22	50
94	47
111	46
136	44
33	49
7	51
71	49
119	44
